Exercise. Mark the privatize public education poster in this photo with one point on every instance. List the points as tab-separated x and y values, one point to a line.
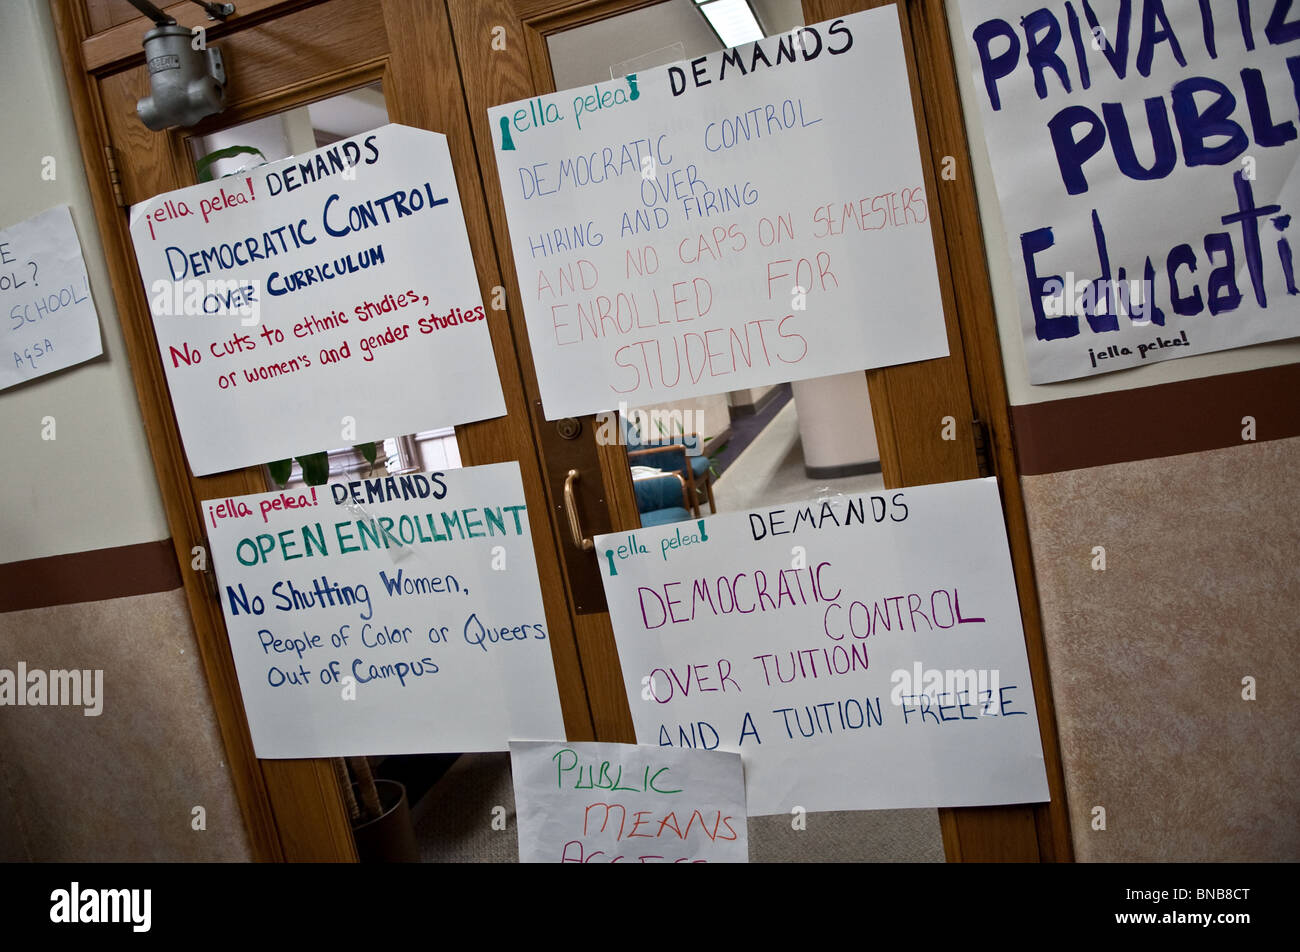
392	615
625	803
320	301
749	217
860	652
45	298
1147	162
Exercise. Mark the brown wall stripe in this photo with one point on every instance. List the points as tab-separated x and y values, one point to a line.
139	569
1188	416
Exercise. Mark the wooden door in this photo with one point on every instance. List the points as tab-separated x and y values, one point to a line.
282	55
440	70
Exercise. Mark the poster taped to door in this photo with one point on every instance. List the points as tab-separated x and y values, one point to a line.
50	315
741	219
392	615
317	302
859	651
624	803
1147	161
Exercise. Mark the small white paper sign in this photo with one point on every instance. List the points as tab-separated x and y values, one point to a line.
396	615
749	217
860	652
319	301
610	803
45	296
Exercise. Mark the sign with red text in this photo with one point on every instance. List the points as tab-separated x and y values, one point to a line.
860	652
45	298
393	615
1147	161
321	301
621	803
741	219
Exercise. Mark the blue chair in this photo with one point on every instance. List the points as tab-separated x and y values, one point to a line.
660	497
683	454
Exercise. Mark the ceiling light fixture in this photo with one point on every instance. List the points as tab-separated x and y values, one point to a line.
732	20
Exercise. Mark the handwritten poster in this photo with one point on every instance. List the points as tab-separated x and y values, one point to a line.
1147	163
320	301
45	297
860	652
611	803
393	615
744	218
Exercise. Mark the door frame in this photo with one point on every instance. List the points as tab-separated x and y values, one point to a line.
293	810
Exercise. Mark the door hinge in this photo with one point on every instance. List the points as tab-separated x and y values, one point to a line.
983	448
114	179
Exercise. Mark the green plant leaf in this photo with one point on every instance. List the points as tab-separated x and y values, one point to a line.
280	471
368	451
315	468
204	165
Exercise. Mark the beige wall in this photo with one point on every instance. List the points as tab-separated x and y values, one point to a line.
92	487
1200	590
120	786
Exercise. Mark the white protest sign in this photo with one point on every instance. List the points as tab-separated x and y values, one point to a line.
45	297
749	217
320	301
610	803
394	615
1147	162
860	652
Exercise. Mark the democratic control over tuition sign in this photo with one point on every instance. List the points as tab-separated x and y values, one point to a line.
394	615
1147	160
320	301
45	298
860	652
622	803
749	217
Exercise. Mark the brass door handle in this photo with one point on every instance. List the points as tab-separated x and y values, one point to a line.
585	543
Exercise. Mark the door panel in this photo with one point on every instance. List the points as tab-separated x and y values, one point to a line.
511	76
293	808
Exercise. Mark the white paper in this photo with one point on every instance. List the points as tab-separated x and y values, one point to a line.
670	270
1144	222
610	803
281	375
435	642
831	708
50	319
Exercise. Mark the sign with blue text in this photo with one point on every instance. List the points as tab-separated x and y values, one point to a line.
1147	160
50	315
744	218
320	301
860	652
391	615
